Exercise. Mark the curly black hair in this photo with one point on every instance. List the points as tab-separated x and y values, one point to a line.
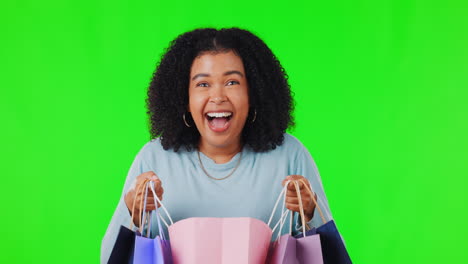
269	91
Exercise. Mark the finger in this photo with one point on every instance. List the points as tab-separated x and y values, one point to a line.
302	186
292	207
292	186
293	193
150	196
150	203
160	192
295	200
144	175
150	207
142	192
157	181
149	175
297	178
153	201
152	176
292	178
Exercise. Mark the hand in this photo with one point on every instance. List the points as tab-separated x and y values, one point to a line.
292	200
130	197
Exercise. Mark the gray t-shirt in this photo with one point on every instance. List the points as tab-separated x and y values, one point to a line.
251	191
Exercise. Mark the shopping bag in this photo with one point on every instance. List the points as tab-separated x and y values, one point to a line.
291	250
333	248
122	253
283	251
205	240
219	240
148	250
123	250
161	242
309	250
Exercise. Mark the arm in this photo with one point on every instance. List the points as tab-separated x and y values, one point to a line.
121	214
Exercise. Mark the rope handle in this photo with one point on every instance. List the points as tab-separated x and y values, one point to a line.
314	200
137	189
144	218
301	207
284	213
158	215
277	202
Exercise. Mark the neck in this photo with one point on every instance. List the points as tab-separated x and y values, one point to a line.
220	154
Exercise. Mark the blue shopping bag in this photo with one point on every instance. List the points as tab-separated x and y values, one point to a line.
122	252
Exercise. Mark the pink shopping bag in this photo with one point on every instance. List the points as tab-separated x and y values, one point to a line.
219	241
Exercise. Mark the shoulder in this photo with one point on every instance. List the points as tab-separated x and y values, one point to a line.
153	150
292	141
292	145
153	145
291	149
295	150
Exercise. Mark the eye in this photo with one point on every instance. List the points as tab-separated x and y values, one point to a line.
202	85
232	82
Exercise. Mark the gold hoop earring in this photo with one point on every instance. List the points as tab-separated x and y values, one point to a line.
255	116
183	117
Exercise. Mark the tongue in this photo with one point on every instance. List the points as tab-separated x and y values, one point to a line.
219	122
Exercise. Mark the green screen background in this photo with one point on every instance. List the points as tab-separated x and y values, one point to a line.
381	104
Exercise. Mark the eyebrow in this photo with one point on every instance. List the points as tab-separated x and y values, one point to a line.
225	74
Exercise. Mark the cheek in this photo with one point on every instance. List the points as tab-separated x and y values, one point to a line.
241	101
196	104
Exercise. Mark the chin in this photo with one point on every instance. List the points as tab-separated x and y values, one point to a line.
219	141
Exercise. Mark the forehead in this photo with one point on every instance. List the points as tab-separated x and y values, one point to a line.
216	63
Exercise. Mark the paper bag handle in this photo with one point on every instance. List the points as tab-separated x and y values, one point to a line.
301	210
137	189
301	206
314	200
276	204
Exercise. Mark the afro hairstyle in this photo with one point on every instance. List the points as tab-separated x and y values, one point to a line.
269	92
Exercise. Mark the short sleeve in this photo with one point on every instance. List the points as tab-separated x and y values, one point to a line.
121	214
305	166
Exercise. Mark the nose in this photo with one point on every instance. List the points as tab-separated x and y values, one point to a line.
218	96
218	100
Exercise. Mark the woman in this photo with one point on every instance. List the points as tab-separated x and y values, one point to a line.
219	105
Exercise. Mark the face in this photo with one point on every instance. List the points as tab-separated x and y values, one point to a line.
218	99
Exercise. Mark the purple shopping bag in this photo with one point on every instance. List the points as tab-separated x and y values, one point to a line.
283	251
148	250
295	250
309	250
292	250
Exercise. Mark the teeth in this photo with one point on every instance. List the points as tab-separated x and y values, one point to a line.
223	114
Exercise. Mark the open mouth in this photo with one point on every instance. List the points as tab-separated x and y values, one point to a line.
218	121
